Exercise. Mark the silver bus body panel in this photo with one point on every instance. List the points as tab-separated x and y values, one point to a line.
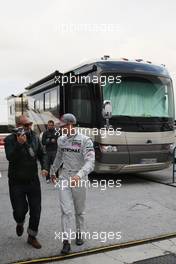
131	168
136	151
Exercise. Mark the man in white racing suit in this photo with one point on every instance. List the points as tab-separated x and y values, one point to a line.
77	156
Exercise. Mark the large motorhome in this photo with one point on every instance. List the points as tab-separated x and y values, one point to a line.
134	98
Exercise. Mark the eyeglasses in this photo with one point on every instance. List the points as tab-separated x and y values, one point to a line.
27	124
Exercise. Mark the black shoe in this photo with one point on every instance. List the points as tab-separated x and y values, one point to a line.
79	241
66	247
19	230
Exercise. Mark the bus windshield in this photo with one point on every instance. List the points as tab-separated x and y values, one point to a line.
140	96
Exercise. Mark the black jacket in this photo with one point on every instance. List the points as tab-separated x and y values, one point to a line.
48	137
23	158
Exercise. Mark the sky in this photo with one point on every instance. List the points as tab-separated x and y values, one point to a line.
38	37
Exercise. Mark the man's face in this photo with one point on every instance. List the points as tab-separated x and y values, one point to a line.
68	129
50	126
26	124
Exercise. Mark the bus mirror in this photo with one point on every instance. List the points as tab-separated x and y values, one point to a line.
107	109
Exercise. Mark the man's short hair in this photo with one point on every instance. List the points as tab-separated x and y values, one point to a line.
51	121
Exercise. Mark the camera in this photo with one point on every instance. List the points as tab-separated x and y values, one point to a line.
19	131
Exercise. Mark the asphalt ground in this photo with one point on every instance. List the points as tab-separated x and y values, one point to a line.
139	209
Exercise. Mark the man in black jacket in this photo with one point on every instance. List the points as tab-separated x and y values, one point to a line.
49	140
23	149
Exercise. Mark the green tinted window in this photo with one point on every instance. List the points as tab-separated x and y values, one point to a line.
140	97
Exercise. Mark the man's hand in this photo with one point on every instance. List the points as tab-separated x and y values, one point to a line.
53	179
44	173
22	139
74	180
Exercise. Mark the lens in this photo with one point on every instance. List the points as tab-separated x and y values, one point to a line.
28	124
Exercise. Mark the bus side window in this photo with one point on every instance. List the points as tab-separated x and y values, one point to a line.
10	110
47	101
53	98
37	105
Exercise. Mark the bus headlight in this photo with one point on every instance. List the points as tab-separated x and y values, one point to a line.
108	148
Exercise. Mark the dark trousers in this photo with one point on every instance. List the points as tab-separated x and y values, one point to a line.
23	198
50	159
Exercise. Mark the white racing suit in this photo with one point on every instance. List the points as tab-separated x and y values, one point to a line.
76	153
